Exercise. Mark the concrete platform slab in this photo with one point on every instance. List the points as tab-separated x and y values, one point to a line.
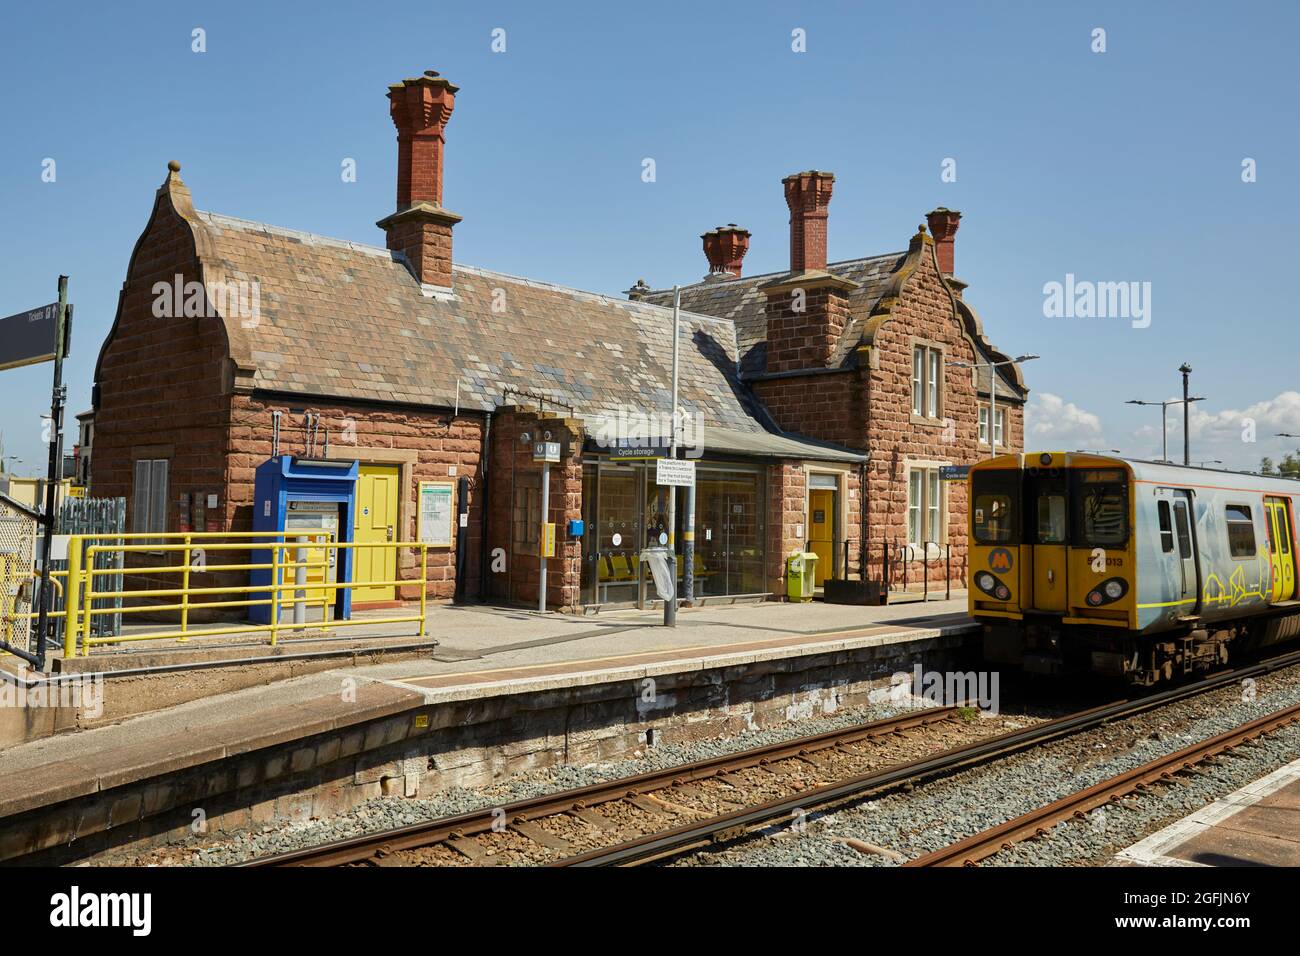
510	673
1258	825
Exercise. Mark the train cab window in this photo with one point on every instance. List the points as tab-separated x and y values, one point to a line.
1101	508
1166	527
1241	531
1051	519
996	496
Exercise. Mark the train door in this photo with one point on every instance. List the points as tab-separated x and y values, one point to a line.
1185	535
1278	522
1047	524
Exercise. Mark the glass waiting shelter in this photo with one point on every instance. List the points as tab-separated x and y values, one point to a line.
625	511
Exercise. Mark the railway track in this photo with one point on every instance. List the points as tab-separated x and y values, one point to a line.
657	803
1036	823
639	791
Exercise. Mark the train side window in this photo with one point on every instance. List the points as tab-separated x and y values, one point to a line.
1166	527
1184	530
1241	531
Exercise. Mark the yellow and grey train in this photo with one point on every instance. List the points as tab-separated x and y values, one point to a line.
1135	569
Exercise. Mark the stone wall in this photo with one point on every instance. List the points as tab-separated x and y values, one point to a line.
469	743
514	476
923	314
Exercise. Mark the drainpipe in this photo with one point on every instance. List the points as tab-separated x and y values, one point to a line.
484	458
864	529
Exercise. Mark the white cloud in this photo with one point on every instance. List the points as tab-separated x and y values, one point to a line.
1237	437
1053	424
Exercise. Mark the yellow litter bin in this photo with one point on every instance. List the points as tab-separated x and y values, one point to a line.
800	575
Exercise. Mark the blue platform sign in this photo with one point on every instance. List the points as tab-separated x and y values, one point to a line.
953	472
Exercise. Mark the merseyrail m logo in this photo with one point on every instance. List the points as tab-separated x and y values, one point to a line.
1000	560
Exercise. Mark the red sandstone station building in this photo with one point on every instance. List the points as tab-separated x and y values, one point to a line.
820	402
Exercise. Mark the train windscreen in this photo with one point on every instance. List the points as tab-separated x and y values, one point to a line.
1100	507
996	505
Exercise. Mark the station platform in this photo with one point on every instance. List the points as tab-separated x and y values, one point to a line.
498	670
1258	825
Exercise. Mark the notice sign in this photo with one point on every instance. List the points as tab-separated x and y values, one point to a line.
437	508
670	471
29	337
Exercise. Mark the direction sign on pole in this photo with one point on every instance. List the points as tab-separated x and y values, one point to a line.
674	472
30	337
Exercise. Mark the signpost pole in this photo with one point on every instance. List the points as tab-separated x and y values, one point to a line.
670	605
541	537
55	466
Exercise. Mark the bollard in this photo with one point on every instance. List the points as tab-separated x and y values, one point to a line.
300	584
72	599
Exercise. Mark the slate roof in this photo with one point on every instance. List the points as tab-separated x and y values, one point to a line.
349	320
743	302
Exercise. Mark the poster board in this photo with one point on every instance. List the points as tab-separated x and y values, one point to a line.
437	514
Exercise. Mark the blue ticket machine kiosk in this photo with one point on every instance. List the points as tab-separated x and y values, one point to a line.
300	497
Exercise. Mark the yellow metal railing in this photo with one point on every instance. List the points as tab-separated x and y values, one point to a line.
81	576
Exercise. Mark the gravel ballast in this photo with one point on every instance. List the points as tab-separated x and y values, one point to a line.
387	813
947	810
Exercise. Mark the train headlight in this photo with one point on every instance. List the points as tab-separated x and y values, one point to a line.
1107	592
991	586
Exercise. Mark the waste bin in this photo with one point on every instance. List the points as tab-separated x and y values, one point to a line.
660	562
800	575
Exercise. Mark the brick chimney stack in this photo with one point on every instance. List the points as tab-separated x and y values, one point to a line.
808	310
725	248
420	229
808	194
943	227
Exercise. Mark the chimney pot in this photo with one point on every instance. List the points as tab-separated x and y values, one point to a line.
943	226
808	194
725	248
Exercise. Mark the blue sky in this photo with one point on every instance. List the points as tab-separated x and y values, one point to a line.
1122	166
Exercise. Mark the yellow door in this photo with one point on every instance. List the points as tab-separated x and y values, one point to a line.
1049	544
1286	531
376	521
821	531
1279	539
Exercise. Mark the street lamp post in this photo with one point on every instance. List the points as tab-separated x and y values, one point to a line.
1164	422
1186	369
993	394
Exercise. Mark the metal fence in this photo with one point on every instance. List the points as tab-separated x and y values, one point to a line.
93	516
288	588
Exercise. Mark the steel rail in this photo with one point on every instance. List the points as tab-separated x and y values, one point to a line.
970	851
362	849
659	844
732	825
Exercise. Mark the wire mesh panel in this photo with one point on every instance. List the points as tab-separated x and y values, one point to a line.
94	516
17	553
